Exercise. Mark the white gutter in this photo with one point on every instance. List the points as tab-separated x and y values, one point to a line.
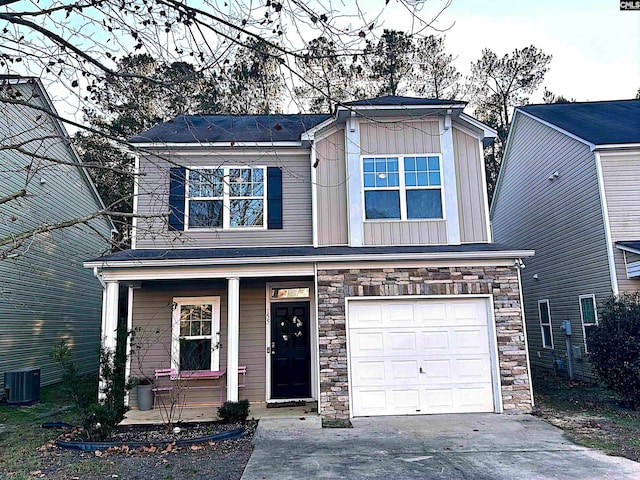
516	254
617	146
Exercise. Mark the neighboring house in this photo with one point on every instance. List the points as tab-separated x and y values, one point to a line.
46	296
568	188
345	259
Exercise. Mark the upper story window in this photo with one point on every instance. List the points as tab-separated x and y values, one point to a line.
402	187
226	197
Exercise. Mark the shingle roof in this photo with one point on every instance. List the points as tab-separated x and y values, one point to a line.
600	123
274	252
230	128
395	100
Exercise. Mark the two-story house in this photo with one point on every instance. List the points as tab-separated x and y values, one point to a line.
568	188
342	258
46	296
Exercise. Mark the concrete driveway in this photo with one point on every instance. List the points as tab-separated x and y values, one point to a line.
470	447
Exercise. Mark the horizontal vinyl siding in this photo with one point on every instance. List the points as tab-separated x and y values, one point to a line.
470	186
562	221
331	183
152	308
621	173
46	296
153	200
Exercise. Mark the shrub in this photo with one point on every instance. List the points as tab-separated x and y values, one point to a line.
614	347
231	412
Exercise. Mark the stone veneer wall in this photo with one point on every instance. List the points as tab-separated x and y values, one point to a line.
501	282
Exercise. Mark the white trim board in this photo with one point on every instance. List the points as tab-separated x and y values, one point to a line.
607	225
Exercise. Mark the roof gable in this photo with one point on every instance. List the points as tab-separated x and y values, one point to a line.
599	123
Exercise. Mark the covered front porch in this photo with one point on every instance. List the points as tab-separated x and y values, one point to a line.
252	335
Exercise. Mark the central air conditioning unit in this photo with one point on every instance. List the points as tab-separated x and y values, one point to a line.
22	386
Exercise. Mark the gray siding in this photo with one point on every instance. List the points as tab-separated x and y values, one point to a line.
46	296
331	181
562	221
470	185
405	232
153	200
152	308
621	174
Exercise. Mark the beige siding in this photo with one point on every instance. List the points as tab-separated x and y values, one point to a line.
400	136
405	233
152	308
470	186
621	173
154	200
397	136
331	178
562	221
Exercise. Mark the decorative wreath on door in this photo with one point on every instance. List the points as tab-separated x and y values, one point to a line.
290	327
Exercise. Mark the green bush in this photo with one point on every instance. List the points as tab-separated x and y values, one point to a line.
231	412
614	347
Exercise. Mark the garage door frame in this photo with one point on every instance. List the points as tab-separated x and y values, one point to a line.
491	322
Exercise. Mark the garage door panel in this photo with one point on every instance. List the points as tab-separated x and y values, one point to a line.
438	361
368	343
366	316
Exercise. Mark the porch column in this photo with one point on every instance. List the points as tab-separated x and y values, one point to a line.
109	322
233	337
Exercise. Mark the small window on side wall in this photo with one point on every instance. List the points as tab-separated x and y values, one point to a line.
589	316
544	314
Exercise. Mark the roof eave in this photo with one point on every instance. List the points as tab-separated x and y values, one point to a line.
356	257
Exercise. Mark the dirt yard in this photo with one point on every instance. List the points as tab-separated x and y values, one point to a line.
589	414
26	451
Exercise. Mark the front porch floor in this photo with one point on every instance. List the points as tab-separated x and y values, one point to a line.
209	413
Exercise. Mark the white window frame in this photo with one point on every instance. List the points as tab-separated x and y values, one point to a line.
215	329
542	325
402	188
595	314
226	198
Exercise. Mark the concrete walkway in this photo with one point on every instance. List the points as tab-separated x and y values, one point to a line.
470	447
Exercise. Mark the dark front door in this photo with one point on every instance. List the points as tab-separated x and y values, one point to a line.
290	350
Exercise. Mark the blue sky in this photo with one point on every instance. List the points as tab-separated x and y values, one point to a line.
595	46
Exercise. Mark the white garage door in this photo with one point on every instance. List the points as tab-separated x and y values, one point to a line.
419	357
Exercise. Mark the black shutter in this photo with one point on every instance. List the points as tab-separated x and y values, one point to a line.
177	180
274	197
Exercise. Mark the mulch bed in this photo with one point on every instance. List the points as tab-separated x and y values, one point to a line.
160	433
223	460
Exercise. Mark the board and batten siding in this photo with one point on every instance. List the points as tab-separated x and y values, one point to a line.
397	136
153	200
331	188
621	175
470	186
561	219
46	296
152	310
